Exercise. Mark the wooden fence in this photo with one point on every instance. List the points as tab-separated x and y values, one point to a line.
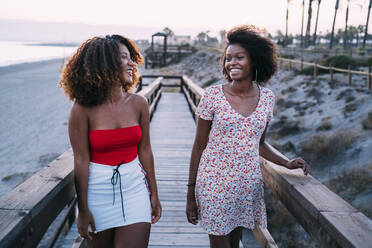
330	220
289	64
28	210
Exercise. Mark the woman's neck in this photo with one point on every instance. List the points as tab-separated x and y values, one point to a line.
117	94
242	87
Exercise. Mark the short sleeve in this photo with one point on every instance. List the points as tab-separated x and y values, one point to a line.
205	108
271	105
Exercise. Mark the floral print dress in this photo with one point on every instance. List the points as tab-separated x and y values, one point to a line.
229	186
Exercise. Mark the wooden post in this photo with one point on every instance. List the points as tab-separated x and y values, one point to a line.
302	64
331	73
315	70
369	78
181	85
140	84
280	64
290	65
349	75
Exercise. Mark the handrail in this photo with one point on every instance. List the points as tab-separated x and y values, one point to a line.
323	214
152	93
28	210
331	70
192	93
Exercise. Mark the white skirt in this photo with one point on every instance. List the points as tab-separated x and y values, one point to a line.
128	205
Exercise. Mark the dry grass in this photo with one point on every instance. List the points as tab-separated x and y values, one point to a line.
323	148
352	183
367	122
325	124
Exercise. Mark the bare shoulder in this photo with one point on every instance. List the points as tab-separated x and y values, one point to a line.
78	109
78	115
139	100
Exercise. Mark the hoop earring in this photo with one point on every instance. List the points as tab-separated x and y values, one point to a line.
256	76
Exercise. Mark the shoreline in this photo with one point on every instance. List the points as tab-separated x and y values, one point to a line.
28	65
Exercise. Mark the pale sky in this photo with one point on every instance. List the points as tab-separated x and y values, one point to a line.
211	15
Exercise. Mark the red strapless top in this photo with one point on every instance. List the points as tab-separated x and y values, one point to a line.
113	146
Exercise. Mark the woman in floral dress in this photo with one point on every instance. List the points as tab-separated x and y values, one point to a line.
225	190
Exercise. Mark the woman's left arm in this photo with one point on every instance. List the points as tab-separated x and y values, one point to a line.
269	153
146	158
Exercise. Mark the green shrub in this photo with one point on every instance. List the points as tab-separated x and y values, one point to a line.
287	56
367	62
340	61
310	71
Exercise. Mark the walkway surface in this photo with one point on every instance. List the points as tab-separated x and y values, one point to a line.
172	136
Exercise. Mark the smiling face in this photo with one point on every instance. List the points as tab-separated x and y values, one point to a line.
238	63
126	63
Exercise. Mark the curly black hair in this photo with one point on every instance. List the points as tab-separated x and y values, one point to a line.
262	51
95	69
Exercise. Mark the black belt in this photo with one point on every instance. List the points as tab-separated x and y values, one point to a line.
114	180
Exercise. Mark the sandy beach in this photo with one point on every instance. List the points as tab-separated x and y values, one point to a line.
34	115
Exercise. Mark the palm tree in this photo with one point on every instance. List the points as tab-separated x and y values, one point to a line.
302	23
360	29
168	31
366	28
286	25
346	20
202	36
223	36
316	23
307	37
333	25
353	32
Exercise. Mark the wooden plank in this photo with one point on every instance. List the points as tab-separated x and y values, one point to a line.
263	237
27	211
316	208
172	157
147	92
342	226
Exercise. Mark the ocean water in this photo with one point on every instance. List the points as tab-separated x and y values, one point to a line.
15	52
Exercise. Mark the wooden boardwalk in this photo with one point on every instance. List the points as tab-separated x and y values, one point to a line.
172	136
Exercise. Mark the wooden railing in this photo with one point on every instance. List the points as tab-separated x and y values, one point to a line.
192	93
152	93
28	210
289	63
324	51
323	214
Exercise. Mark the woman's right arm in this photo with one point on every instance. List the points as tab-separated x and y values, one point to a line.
78	133
201	139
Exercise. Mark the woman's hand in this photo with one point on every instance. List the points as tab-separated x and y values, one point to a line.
192	210
85	218
156	209
298	163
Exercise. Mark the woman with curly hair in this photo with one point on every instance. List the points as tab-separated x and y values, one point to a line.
225	190
109	134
